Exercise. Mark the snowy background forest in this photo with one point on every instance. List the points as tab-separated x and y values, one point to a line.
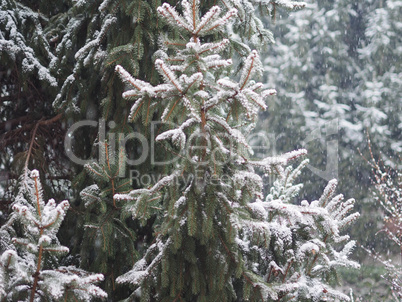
218	150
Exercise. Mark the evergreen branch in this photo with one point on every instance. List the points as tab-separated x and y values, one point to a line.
51	223
287	270
328	192
168	74
223	20
170	13
93	171
315	258
258	103
215	10
137	109
171	110
216	46
123	184
220	63
250	62
126	76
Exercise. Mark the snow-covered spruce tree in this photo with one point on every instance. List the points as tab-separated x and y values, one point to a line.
29	269
91	37
216	240
109	240
380	77
305	248
87	39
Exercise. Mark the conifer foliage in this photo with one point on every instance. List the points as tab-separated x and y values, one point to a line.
305	246
108	242
217	240
29	270
211	233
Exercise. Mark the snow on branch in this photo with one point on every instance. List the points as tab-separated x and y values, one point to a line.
138	200
209	23
40	222
269	163
172	16
141	269
13	42
307	235
214	48
177	135
252	65
210	16
79	55
221	21
291	5
137	84
235	134
168	75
